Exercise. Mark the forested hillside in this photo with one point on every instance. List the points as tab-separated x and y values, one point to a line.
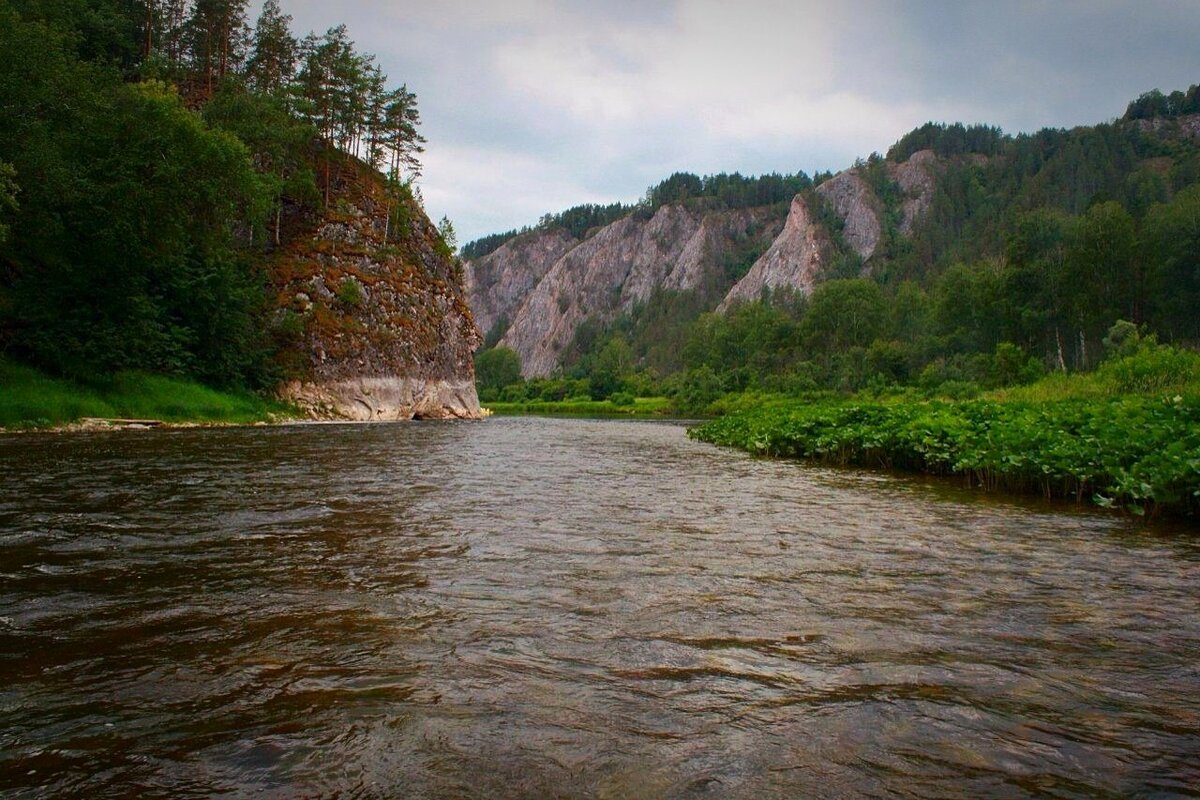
157	158
965	258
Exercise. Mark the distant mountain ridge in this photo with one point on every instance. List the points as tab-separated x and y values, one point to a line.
944	193
540	285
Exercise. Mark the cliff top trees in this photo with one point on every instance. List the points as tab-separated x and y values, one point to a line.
217	36
1154	104
272	63
130	216
345	97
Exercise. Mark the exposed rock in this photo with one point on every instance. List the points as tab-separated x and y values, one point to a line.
546	284
717	235
384	328
915	177
617	266
793	261
499	281
857	205
1187	125
385	399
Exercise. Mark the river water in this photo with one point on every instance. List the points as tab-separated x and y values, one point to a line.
570	608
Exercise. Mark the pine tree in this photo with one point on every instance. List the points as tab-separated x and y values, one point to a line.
217	32
272	64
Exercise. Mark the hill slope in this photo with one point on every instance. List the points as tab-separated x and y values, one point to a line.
943	195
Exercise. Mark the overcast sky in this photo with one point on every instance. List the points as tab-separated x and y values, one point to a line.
536	105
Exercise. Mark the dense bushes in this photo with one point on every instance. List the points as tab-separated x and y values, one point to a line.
1128	434
1141	452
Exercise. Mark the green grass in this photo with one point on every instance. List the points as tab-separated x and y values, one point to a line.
1126	435
641	407
31	399
1156	371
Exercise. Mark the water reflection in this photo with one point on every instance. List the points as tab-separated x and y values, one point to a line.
570	608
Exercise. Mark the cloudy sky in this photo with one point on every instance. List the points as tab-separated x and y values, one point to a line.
536	105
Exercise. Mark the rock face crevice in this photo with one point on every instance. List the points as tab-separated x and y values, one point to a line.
793	261
377	310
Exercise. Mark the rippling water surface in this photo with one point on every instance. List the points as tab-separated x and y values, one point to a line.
539	608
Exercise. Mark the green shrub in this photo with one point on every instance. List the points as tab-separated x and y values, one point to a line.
956	390
699	388
350	292
1138	452
1153	369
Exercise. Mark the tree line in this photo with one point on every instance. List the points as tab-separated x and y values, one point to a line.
710	192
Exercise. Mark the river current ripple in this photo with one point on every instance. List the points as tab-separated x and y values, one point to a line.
565	608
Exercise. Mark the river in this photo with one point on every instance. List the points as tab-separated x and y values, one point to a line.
570	608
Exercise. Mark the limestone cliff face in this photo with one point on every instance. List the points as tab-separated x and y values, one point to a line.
499	281
793	261
613	268
798	254
722	237
916	179
608	273
377	311
1186	126
859	209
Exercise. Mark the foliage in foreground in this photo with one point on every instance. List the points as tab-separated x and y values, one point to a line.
31	399
1139	452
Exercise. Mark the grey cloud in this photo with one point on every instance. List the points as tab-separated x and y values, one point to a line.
816	84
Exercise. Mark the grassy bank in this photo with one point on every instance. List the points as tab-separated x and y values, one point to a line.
640	407
31	399
1127	435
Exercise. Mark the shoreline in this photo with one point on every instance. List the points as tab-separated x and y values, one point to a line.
95	425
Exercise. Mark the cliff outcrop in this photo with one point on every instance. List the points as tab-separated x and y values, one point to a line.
604	273
498	282
793	261
607	273
1185	126
859	209
916	179
376	310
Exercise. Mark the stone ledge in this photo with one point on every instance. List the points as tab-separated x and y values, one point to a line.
385	399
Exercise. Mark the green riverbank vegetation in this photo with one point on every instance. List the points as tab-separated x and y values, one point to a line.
31	399
616	405
1126	435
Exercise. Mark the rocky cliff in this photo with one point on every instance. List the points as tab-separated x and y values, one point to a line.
497	284
859	209
607	273
376	310
545	283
